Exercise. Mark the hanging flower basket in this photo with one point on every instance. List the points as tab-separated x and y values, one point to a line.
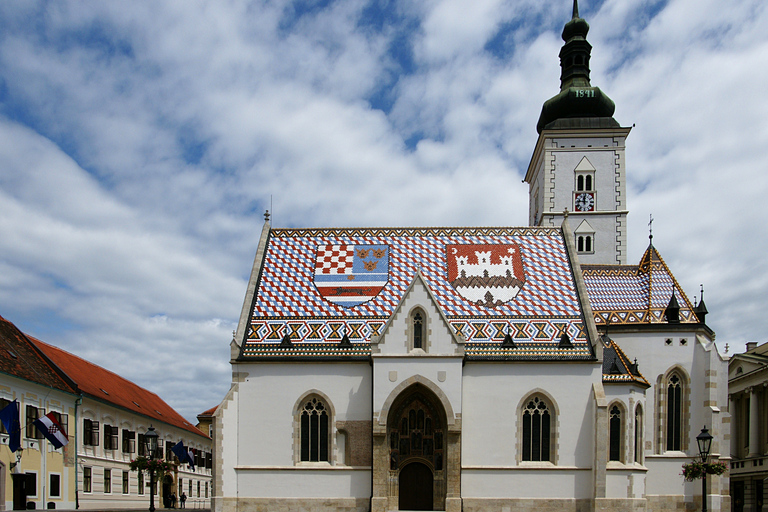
695	470
157	466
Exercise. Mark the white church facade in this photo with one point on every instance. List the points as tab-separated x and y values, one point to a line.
526	368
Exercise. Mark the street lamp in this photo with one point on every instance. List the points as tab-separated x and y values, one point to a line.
704	440
150	438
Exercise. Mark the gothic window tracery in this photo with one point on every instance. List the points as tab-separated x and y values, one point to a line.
615	434
314	425
537	424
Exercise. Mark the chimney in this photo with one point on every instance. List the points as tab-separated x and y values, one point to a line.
751	345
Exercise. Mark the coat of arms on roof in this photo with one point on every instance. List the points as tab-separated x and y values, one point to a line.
351	274
486	275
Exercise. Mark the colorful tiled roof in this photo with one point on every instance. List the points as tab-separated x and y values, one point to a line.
318	285
617	369
20	358
106	386
635	294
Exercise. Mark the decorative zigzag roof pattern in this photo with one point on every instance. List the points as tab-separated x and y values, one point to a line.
635	294
306	290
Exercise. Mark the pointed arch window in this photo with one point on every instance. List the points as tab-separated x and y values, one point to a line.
639	434
418	330
537	429
314	426
615	434
674	429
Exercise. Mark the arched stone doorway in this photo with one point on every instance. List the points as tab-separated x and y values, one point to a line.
416	438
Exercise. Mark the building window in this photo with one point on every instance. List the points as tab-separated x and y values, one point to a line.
54	486
87	480
674	412
418	329
125	482
206	489
142	446
33	413
90	432
615	434
111	435
107	481
639	434
168	451
537	423
190	488
314	427
585	182
198	489
129	441
584	244
141	483
31	485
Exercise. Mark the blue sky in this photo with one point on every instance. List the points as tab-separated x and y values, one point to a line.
141	142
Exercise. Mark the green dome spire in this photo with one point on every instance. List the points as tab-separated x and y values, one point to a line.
578	104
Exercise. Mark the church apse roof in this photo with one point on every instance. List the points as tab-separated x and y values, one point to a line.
635	294
325	293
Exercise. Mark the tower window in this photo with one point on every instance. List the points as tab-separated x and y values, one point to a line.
584	244
585	182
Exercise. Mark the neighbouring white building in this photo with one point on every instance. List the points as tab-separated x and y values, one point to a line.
105	417
488	368
748	394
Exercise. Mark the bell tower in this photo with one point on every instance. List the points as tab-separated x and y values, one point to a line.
578	164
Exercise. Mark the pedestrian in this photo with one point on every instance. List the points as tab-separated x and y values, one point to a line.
183	499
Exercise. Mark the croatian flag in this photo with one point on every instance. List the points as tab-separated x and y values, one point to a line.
52	429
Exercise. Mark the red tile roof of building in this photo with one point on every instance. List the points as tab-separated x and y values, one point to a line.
20	358
107	386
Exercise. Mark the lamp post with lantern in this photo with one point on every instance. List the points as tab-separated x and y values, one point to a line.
704	440
150	438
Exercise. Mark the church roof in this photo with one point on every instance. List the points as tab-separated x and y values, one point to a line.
325	293
635	294
617	369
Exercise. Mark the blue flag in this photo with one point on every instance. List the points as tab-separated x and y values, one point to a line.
10	416
183	455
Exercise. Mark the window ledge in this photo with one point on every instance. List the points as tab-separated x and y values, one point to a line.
304	466
536	464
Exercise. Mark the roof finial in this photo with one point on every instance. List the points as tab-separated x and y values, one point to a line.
575	9
266	215
650	229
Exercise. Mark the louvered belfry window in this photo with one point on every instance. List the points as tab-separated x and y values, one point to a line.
314	431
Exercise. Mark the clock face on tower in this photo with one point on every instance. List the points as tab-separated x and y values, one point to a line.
584	202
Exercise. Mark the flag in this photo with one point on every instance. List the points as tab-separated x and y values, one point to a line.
183	454
10	418
52	430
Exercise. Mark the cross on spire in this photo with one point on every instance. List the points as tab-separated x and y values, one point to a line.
650	225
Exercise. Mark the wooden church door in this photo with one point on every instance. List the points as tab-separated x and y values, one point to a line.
416	487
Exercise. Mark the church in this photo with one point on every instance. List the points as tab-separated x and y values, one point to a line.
475	369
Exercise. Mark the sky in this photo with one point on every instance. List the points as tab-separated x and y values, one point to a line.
141	143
